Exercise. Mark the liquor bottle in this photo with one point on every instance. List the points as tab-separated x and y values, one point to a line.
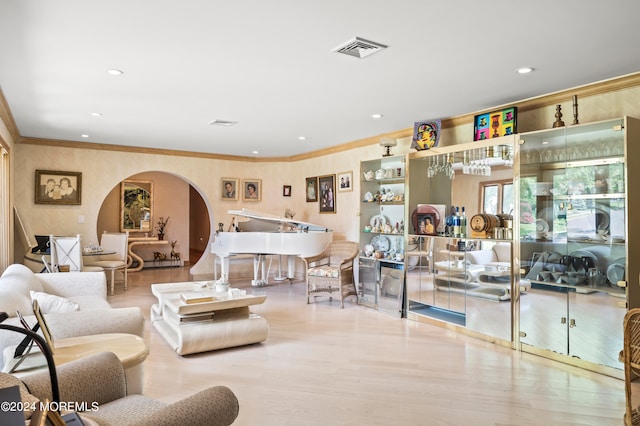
456	223
463	224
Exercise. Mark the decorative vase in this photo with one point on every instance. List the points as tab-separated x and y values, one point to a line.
160	236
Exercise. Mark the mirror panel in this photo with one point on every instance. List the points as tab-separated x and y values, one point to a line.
136	204
471	287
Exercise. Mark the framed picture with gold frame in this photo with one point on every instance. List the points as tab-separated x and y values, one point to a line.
229	189
252	190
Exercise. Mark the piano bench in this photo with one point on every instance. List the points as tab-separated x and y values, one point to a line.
233	258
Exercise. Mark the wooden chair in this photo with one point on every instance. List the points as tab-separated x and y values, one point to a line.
119	243
332	271
631	357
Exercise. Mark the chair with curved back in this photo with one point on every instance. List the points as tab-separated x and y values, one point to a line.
117	242
631	357
332	271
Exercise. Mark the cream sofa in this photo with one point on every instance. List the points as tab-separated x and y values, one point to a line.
74	304
499	256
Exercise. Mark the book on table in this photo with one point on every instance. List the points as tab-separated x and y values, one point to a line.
205	316
195	297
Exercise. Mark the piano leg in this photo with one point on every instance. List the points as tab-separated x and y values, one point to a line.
224	267
259	266
280	277
291	266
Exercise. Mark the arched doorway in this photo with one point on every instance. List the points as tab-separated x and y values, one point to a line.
174	198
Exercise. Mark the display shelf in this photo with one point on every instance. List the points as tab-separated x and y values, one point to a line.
381	236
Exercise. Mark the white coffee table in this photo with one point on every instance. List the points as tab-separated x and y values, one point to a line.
207	326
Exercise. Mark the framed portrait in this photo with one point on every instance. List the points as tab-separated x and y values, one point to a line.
252	190
495	124
229	189
426	219
54	187
327	191
345	181
426	224
311	188
286	190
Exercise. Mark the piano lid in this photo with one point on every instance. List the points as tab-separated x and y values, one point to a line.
296	224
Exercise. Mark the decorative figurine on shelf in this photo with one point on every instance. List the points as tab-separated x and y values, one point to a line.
558	122
220	227
175	255
289	214
162	223
157	256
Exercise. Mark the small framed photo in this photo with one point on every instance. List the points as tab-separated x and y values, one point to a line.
229	189
345	181
252	190
286	190
54	187
327	188
311	185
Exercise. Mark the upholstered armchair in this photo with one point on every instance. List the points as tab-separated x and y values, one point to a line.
98	383
332	271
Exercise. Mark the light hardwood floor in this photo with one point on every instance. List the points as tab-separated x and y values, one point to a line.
322	365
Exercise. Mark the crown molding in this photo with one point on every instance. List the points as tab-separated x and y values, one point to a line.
592	89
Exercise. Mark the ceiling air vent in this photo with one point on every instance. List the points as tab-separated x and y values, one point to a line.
359	48
225	123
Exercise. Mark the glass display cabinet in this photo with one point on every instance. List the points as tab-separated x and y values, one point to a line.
460	269
382	221
574	246
545	263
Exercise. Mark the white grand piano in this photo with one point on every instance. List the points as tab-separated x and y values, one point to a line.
264	234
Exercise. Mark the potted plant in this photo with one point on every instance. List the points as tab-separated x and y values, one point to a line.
162	223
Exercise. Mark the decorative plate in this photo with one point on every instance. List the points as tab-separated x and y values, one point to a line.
542	225
615	271
378	221
380	243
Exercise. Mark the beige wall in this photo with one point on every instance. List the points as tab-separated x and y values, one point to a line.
103	170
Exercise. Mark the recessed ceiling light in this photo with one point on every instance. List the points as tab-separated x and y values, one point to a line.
377	115
302	138
113	71
254	152
524	70
96	114
84	135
